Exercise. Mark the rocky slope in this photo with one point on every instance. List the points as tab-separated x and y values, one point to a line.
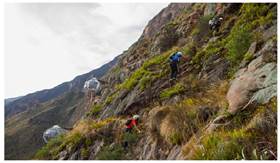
27	117
223	105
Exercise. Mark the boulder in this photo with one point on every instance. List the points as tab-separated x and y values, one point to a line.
63	155
255	83
74	156
210	9
175	151
267	34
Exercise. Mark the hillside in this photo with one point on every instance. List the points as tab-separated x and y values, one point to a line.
223	105
27	117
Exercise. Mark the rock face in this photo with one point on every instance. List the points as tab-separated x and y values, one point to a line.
255	83
209	112
164	17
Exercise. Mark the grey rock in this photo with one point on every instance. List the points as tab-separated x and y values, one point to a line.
256	83
122	77
74	156
269	47
267	34
174	153
214	39
264	95
63	155
210	9
94	149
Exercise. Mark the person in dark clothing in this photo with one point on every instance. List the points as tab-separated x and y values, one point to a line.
215	23
174	61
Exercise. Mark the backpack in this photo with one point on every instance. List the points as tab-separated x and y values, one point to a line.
128	122
171	58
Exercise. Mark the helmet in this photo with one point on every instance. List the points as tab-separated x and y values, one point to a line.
136	117
179	54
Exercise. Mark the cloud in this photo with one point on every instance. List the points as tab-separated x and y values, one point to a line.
50	43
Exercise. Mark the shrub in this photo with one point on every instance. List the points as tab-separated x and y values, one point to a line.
202	28
111	153
158	59
248	57
84	152
133	79
189	49
176	138
95	109
50	149
169	92
145	81
88	142
74	139
222	146
238	44
130	137
257	14
145	73
110	98
176	126
102	123
240	37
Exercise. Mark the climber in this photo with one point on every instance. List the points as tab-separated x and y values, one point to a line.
215	23
131	124
174	61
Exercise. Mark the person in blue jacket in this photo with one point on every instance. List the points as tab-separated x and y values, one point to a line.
174	61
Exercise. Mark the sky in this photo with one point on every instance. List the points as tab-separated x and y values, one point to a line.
49	43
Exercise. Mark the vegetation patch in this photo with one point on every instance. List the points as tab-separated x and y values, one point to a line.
151	70
50	149
85	153
131	138
115	152
239	42
102	123
110	98
248	57
169	92
176	138
95	110
202	29
223	146
171	128
241	35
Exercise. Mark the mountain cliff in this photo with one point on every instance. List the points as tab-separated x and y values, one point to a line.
222	106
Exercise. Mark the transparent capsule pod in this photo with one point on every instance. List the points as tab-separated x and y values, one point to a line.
53	132
93	85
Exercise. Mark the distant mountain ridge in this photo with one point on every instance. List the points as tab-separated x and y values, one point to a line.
17	105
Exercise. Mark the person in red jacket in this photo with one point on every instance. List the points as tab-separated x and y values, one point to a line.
131	124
